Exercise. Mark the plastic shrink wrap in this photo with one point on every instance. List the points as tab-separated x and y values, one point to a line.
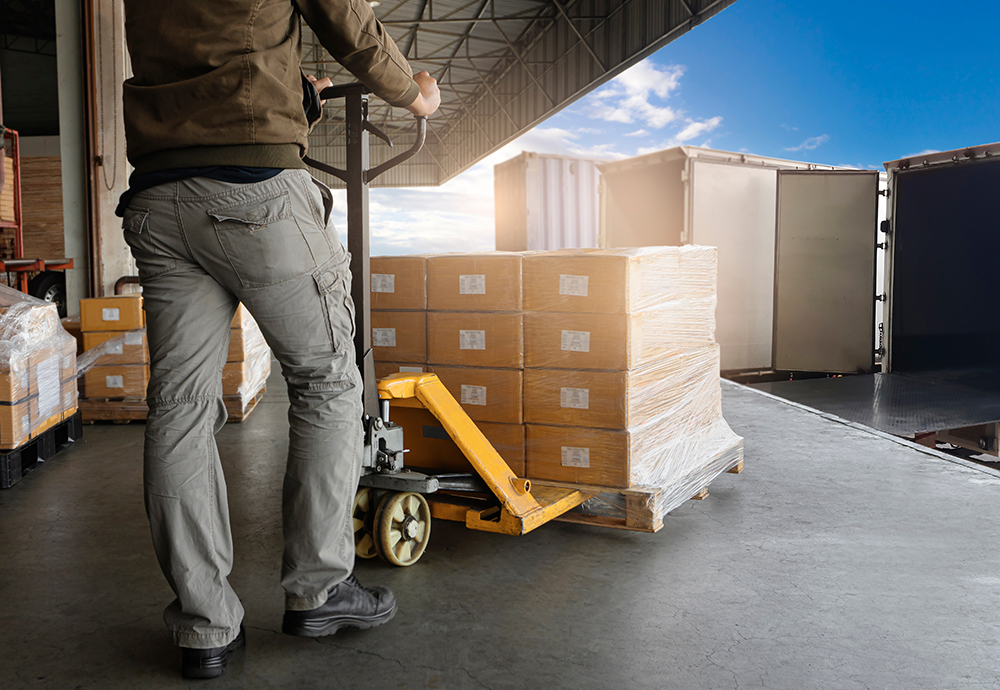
621	381
37	368
245	374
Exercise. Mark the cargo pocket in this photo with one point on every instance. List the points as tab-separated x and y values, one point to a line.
334	284
150	259
263	241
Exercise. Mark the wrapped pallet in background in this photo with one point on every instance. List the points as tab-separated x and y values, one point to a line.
244	377
37	369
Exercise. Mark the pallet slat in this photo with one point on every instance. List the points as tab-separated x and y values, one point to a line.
15	464
125	410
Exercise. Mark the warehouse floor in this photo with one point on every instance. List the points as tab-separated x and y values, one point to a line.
838	559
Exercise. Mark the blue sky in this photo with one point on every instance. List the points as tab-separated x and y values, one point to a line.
843	83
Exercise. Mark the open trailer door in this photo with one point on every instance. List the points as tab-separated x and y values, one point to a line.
825	249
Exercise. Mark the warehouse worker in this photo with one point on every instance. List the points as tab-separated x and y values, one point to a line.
221	210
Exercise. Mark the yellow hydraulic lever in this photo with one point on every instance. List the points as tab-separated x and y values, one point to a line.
522	509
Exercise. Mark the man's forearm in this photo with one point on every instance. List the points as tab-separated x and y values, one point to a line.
349	30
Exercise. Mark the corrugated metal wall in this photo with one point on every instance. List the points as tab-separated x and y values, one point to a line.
546	202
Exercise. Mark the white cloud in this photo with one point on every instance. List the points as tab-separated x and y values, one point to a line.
811	143
695	128
637	133
626	98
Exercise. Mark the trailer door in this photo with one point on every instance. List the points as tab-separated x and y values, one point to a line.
824	297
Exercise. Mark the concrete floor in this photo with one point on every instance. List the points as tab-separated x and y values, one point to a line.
839	559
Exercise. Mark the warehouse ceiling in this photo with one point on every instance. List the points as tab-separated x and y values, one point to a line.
503	65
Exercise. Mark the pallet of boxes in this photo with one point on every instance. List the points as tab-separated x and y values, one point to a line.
38	400
594	369
115	364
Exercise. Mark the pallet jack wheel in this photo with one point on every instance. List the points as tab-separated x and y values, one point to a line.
364	519
402	528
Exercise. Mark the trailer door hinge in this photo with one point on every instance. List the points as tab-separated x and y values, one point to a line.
885	227
881	298
884	192
882	245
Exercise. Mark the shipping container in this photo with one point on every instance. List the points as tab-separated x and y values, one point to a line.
546	202
690	195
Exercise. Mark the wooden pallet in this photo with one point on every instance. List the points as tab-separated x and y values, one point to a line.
125	410
642	509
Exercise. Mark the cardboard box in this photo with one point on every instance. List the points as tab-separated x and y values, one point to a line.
117	313
116	381
431	447
125	347
399	282
383	369
244	342
615	341
682	387
579	456
15	383
45	367
15	425
67	366
475	339
399	336
70	398
247	377
44	418
486	395
617	281
242	317
474	282
72	326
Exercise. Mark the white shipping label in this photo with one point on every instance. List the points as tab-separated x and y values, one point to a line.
576	341
473	395
575	457
383	282
573	285
411	370
133	338
384	337
472	340
115	348
473	284
114	381
575	398
48	387
110	315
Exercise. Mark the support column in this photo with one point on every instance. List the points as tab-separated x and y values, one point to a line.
72	147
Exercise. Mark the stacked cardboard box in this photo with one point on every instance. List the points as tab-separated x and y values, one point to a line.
113	332
248	364
470	335
37	369
621	368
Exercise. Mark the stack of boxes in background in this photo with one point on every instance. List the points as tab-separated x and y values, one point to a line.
248	364
37	369
116	325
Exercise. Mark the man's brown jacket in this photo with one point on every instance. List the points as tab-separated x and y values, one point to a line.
218	82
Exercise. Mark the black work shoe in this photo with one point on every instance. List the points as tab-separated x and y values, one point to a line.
349	605
209	663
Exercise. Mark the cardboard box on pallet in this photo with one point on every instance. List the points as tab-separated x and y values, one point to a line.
474	282
241	318
116	313
246	378
115	381
399	282
430	446
128	347
399	336
615	342
682	387
15	424
383	369
475	339
70	397
486	395
244	341
617	281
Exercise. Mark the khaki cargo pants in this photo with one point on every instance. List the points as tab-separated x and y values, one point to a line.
203	246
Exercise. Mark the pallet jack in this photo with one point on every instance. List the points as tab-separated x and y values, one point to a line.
395	503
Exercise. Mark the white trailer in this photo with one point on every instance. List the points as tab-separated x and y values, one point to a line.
743	204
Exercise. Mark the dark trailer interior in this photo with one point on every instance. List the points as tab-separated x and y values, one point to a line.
940	378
